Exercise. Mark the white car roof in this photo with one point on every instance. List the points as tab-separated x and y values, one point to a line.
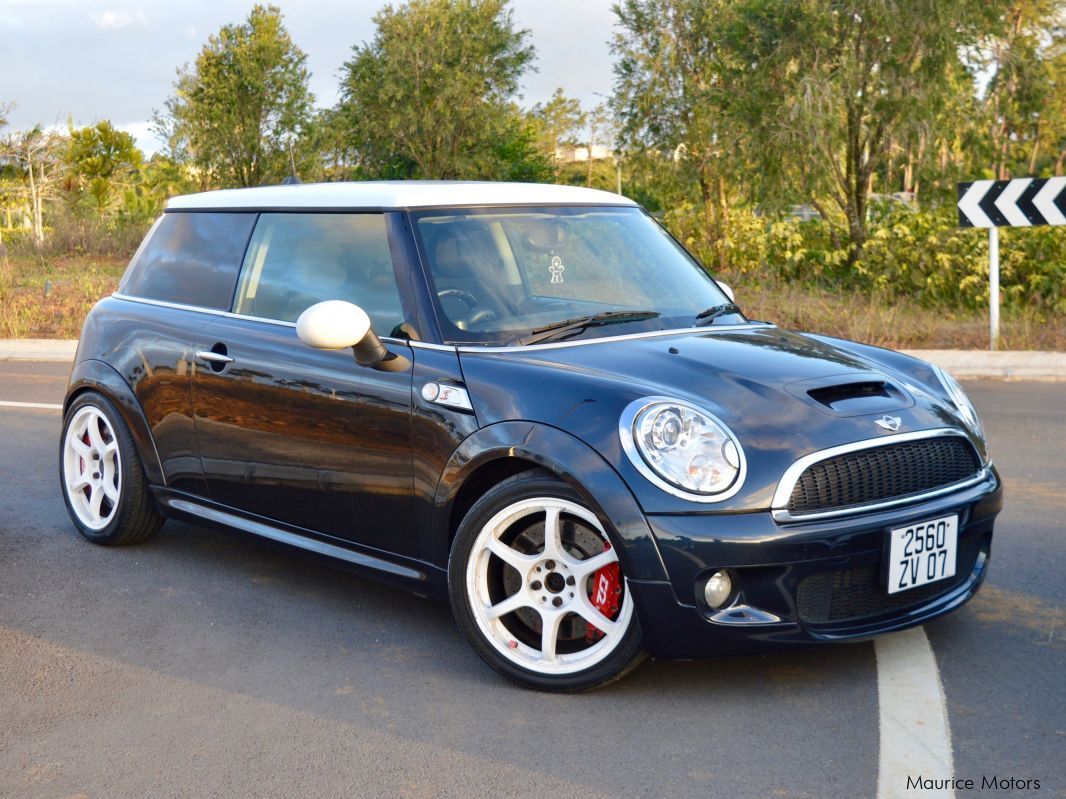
396	194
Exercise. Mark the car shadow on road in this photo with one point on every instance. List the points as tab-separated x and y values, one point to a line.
230	612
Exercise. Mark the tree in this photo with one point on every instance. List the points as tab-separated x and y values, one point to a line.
822	85
1053	133
667	96
432	95
558	122
36	154
244	108
1020	54
103	159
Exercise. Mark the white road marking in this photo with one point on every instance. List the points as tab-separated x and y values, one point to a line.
47	406
915	737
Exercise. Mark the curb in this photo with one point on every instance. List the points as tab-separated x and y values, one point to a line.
38	349
1009	365
963	364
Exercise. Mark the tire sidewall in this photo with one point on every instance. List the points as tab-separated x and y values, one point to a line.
625	656
128	464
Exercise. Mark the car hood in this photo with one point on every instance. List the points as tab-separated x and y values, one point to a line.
783	394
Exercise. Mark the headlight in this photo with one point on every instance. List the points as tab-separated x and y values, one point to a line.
683	449
960	400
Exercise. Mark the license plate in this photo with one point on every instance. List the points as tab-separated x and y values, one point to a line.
922	553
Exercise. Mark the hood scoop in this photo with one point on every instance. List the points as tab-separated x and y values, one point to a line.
852	394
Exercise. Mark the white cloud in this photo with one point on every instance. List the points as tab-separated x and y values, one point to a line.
144	135
117	20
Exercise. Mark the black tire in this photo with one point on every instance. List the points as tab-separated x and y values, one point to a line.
135	517
627	653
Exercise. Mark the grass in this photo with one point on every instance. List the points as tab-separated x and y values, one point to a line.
898	324
49	298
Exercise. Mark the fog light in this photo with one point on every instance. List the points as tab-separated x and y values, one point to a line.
718	589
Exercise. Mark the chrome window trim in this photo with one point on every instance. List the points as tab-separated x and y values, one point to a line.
469	348
280	323
629	445
164	304
779	503
677	331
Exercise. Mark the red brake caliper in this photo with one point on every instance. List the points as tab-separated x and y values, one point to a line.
85	440
606	594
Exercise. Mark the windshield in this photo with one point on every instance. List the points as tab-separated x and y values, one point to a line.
502	274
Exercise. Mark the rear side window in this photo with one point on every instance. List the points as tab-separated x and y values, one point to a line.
191	259
296	260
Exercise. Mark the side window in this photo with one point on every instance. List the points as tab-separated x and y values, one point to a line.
190	258
296	260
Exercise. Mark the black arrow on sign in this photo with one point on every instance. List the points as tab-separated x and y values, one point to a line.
1025	203
988	203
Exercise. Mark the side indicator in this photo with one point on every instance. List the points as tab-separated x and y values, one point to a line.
448	395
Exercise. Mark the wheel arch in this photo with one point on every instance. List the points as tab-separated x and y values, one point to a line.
499	451
98	376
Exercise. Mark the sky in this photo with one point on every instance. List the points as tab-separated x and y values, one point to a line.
106	59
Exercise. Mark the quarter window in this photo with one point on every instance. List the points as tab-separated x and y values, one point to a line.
296	260
190	259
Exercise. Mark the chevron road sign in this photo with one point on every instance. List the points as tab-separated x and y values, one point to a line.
1013	203
1022	202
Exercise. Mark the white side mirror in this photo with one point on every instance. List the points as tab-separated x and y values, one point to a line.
727	289
332	325
337	325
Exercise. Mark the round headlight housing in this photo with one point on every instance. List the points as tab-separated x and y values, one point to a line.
962	402
683	449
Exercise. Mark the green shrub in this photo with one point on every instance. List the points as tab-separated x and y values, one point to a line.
921	256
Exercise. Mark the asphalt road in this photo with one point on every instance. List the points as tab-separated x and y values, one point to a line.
210	664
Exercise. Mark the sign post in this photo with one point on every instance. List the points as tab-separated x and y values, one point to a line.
993	288
993	204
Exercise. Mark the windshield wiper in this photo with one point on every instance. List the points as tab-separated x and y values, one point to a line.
704	318
569	327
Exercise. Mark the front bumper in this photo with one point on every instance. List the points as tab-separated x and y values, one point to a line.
809	581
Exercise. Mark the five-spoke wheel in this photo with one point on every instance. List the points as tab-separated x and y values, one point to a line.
542	592
92	471
103	482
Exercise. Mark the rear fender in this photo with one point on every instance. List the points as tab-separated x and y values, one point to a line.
93	375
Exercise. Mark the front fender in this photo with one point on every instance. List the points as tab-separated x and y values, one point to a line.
100	377
571	460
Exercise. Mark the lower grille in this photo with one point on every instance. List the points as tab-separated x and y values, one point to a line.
858	593
882	473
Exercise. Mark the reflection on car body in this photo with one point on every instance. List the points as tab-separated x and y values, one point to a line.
529	400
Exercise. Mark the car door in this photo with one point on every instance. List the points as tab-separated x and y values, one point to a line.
181	277
303	436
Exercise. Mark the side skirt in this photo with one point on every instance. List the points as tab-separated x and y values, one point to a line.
421	578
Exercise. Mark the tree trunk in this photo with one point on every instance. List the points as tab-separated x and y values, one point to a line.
1036	152
39	219
35	217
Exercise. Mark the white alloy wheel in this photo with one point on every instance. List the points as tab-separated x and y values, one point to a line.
528	585
92	469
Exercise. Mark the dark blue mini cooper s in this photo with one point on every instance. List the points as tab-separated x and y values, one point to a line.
531	401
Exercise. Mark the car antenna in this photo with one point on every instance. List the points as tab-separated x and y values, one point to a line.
293	178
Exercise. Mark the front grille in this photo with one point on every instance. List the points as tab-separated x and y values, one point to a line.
882	473
858	593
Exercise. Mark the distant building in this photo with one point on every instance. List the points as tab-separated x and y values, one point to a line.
569	155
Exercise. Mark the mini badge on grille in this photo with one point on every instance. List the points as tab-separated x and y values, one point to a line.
889	423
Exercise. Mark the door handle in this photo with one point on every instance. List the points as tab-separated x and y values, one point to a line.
213	357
